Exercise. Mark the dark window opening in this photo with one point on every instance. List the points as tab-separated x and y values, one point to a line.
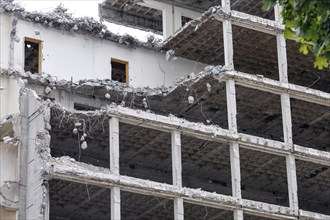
32	61
185	20
119	71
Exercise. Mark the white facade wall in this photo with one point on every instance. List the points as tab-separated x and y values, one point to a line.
9	95
5	29
78	56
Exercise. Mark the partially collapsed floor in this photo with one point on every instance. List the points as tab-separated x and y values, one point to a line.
135	146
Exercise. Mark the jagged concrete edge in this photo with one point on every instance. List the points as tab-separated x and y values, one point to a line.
66	22
48	80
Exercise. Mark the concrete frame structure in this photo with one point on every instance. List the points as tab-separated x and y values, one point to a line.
38	166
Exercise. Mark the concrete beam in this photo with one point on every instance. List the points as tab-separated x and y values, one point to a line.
311	155
66	169
249	21
305	215
213	133
277	87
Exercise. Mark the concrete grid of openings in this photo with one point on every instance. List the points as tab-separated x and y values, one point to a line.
101	149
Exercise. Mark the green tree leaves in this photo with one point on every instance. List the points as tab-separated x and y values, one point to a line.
308	22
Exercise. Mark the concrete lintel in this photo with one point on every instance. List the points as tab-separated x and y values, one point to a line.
250	21
69	170
277	87
209	132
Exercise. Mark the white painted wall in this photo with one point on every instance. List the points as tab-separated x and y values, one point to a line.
5	28
67	55
9	96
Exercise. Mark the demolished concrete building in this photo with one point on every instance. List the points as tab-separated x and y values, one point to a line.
223	119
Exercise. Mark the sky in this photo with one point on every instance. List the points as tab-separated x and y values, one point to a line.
80	8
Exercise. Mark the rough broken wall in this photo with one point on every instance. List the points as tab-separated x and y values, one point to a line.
9	148
80	56
9	177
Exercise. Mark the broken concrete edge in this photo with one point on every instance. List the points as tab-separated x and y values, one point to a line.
67	169
218	72
59	19
252	22
238	18
26	78
8	127
269	85
52	83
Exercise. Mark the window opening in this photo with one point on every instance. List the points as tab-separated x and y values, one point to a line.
119	70
32	55
185	20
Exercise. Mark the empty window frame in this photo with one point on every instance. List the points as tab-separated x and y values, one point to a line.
185	20
119	70
32	55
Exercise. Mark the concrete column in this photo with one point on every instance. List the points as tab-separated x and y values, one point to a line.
234	147
228	38
114	166
290	159
177	18
286	116
177	173
231	105
168	22
292	184
34	203
179	12
115	203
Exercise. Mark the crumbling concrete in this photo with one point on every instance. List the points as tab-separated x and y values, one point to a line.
63	21
146	107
